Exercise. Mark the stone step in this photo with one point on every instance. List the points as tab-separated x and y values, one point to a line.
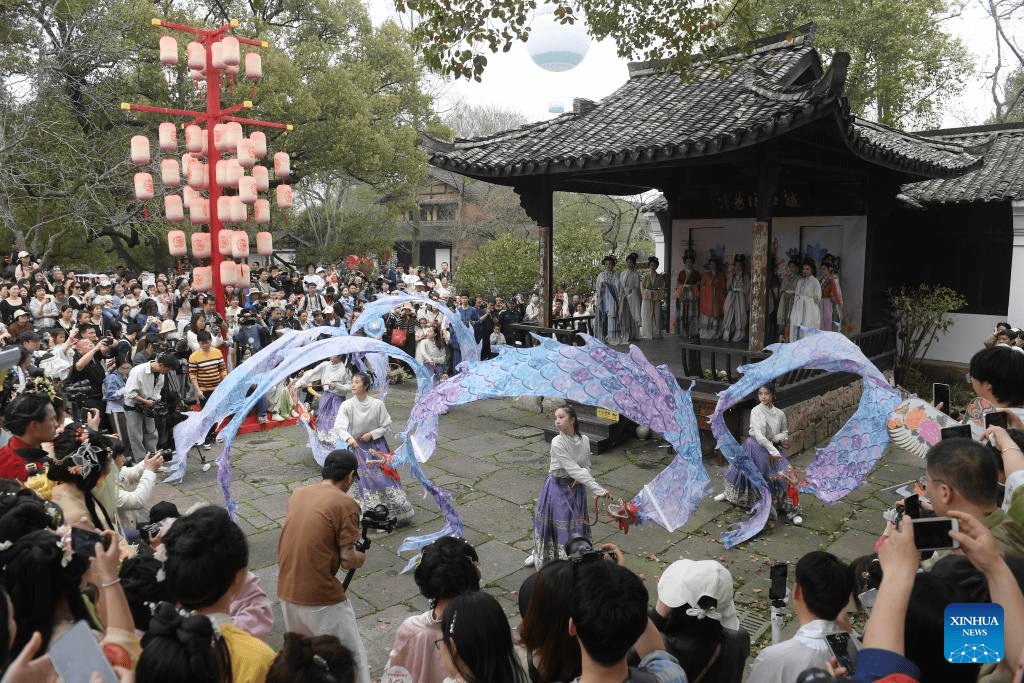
598	443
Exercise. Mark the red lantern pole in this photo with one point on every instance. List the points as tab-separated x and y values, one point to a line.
211	117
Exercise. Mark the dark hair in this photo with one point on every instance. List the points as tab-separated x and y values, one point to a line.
177	648
923	628
545	627
1003	368
966	466
203	336
825	582
447	568
810	262
205	551
21	511
338	464
24	409
770	386
63	468
142	588
609	610
571	412
37	580
168	360
5	634
312	659
484	652
365	377
866	573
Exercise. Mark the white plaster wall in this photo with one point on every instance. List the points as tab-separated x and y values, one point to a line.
843	236
964	338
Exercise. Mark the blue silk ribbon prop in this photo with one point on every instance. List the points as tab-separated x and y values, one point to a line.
841	466
385	303
593	374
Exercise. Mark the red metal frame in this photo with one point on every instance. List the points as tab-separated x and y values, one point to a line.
211	117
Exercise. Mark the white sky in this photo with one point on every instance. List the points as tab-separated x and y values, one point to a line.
513	81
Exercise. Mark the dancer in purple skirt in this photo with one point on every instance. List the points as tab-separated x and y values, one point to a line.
562	507
768	437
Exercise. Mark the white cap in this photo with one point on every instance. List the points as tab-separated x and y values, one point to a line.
685	582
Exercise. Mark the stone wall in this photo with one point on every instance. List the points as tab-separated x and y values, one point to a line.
814	421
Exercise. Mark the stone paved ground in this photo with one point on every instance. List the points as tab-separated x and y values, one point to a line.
493	459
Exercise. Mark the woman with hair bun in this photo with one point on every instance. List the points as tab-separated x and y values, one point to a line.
313	659
448	568
32	421
477	641
80	464
178	648
207	566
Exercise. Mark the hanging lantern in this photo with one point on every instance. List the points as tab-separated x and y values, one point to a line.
220	140
176	241
246	153
235	134
201	244
243	276
282	165
260	140
170	175
264	242
187	195
262	177
202	279
261	216
168	51
224	210
197	75
199	210
228	273
284	197
194	136
168	137
140	150
230	50
247	189
175	213
217	55
253	66
198	175
239	211
196	54
240	244
232	173
143	187
224	238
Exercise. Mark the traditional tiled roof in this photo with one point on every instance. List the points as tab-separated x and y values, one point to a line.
999	178
657	117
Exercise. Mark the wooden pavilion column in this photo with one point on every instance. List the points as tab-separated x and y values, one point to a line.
760	248
536	199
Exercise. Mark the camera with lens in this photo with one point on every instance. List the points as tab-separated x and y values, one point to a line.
580	549
166	453
78	390
158	409
378	517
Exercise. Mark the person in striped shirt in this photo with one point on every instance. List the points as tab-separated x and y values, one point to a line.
206	369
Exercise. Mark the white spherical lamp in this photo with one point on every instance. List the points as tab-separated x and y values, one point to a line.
554	46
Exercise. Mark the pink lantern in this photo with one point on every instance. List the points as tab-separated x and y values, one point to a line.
199	210
220	139
260	140
243	276
262	177
284	197
230	50
228	273
202	279
140	150
232	173
282	165
247	189
201	244
217	56
176	242
143	187
261	216
231	69
196	54
197	75
235	134
224	238
187	159
168	51
175	213
253	66
194	136
265	241
246	153
187	195
240	244
239	211
169	172
168	137
224	210
198	175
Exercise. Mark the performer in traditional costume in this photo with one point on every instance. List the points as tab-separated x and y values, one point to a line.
563	504
712	298
362	422
831	297
334	376
607	329
686	293
737	302
654	286
806	302
768	434
786	294
629	300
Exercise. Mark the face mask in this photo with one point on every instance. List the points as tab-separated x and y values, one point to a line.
534	299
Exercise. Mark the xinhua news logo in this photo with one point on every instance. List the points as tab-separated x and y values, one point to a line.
973	633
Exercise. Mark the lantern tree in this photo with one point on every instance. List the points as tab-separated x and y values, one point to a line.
220	167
